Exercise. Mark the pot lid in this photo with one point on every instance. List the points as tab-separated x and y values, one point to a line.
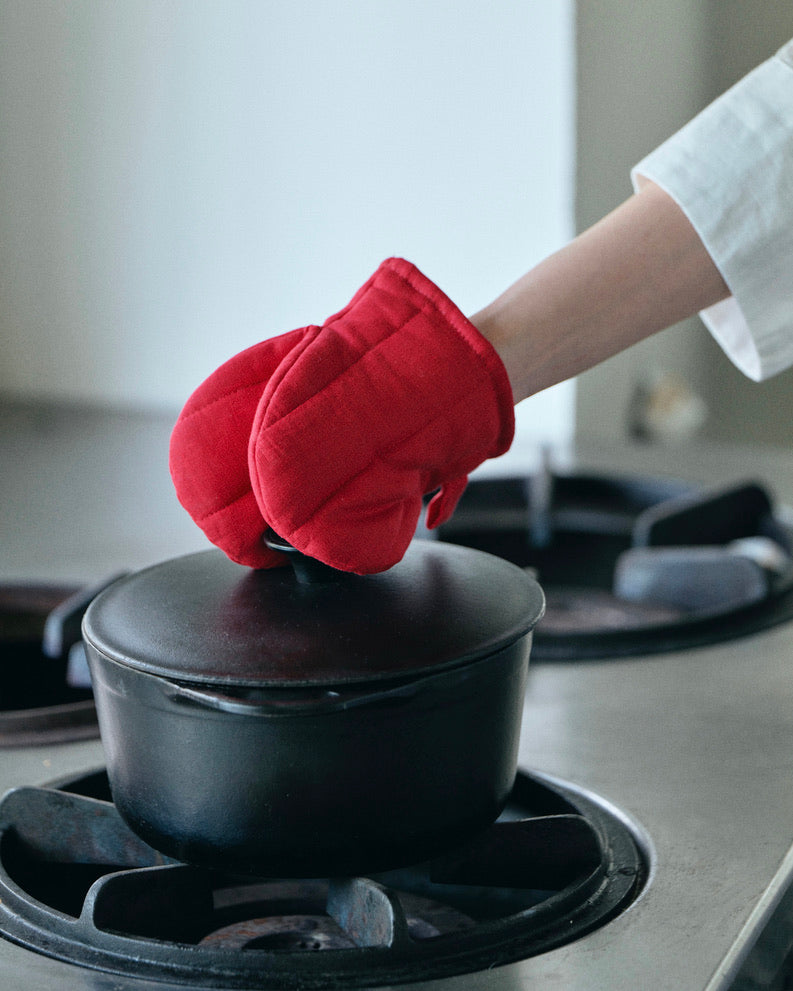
204	618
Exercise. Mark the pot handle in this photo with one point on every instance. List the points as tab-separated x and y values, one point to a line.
296	705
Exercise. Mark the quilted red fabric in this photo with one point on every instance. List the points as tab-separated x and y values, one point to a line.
209	452
333	435
397	395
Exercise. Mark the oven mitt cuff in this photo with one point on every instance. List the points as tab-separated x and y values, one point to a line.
209	452
397	396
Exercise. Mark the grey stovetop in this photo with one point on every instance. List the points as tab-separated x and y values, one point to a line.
696	747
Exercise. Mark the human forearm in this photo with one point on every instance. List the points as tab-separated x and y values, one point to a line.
640	269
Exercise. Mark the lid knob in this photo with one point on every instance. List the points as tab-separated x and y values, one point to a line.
307	569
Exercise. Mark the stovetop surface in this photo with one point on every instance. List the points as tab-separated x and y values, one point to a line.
696	747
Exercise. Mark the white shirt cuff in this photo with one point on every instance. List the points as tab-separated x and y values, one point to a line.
731	171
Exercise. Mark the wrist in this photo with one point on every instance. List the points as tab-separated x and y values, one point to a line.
637	271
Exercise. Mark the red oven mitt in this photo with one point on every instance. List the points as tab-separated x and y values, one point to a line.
396	396
333	435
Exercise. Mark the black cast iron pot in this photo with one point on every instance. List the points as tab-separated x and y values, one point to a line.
289	724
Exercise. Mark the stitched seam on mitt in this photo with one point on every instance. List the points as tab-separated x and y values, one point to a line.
341	374
449	311
450	315
456	319
220	399
381	456
226	505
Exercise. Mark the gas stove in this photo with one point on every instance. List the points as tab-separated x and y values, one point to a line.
77	884
669	771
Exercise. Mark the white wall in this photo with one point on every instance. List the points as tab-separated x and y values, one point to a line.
180	179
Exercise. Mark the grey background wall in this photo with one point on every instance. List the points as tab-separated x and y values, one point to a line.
642	71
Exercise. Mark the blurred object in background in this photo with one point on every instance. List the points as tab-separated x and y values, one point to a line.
664	409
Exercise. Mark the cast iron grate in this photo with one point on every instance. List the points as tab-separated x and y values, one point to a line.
572	530
78	885
45	689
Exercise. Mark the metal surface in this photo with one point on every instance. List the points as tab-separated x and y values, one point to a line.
697	745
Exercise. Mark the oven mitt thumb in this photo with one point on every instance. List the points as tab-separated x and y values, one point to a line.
209	452
397	396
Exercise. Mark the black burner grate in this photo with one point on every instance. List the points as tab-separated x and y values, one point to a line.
574	532
41	699
76	884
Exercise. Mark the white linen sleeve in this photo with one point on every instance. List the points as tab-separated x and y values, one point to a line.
730	170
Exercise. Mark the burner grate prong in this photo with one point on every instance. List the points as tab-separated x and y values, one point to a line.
544	852
61	827
369	913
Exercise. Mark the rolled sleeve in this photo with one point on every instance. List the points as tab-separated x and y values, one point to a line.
731	171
